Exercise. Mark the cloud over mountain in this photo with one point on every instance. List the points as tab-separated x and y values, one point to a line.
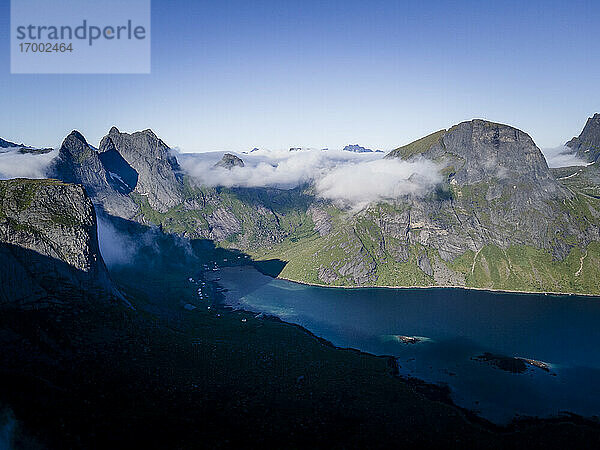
15	164
350	178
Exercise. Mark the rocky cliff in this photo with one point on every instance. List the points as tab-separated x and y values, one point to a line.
49	245
587	144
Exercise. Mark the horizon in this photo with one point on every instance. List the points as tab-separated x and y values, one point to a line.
247	149
234	76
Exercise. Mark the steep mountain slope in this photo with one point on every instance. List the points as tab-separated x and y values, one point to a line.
587	144
48	244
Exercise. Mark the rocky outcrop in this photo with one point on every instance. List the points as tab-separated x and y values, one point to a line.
49	245
587	145
157	174
229	161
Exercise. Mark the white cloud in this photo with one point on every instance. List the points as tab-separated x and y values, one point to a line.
359	184
14	164
346	177
562	157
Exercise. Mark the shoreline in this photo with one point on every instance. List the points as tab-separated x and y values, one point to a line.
501	291
430	390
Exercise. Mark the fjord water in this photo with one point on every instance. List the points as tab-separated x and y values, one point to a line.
456	326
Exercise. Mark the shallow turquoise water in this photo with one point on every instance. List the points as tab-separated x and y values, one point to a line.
458	325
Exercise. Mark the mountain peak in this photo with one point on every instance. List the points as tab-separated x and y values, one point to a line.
114	130
77	136
587	145
479	151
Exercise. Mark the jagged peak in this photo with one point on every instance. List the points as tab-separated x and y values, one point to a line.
149	131
76	135
114	130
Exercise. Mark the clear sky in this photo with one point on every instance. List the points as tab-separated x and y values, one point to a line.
229	75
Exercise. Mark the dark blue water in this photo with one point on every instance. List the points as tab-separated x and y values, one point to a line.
454	326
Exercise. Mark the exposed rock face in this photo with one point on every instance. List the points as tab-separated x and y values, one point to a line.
230	161
355	148
78	162
321	220
159	177
49	244
501	191
587	144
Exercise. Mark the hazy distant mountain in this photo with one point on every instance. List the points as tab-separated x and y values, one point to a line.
355	148
22	148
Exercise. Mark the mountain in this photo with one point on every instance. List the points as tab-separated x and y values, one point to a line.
230	161
587	145
78	162
49	245
498	217
22	148
157	175
8	144
355	148
129	172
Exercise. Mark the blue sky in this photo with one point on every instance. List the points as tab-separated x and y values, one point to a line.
234	75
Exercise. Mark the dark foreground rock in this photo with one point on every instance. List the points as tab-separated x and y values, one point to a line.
48	244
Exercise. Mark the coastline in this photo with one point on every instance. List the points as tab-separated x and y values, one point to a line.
500	291
430	390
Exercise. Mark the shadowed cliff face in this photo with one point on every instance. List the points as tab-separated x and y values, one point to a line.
48	244
587	145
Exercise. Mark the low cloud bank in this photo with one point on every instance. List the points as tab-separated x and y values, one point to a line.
362	183
116	248
562	157
345	177
122	247
14	164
